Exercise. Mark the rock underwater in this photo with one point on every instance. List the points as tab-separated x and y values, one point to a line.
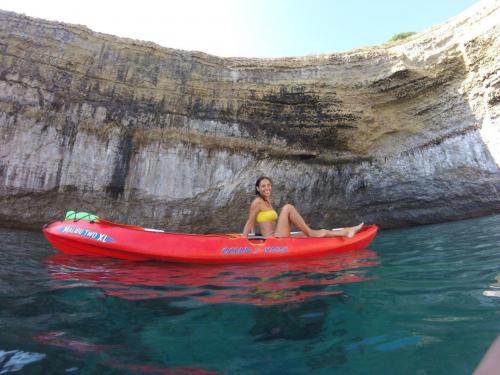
398	134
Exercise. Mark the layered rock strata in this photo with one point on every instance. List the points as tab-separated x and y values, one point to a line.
396	134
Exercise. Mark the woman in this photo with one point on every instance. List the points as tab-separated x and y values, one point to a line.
262	212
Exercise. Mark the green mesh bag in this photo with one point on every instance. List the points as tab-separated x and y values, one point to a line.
73	215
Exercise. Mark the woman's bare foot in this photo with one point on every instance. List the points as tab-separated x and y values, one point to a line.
353	230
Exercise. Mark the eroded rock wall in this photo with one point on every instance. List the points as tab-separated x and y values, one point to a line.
395	134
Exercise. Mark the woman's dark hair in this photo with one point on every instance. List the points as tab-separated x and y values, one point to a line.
259	180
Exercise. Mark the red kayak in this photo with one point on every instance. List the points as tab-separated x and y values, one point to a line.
105	238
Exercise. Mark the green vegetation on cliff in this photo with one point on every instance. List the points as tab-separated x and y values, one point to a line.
400	36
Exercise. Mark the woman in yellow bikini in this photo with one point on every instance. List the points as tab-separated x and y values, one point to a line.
262	212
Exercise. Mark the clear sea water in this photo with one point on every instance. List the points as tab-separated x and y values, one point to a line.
422	301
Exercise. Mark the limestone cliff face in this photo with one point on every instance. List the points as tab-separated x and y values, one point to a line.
394	134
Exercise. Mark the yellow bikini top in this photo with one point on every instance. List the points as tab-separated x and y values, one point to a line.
267	215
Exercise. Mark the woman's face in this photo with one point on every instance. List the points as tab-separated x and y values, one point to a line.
265	188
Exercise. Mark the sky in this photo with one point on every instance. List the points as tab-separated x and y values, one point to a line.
249	28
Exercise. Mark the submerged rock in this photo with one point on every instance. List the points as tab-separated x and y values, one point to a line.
397	134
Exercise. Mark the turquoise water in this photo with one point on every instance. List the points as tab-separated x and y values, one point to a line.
419	301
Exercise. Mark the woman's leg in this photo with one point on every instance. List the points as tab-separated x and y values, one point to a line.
289	215
345	232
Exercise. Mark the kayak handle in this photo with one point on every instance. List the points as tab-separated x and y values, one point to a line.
256	237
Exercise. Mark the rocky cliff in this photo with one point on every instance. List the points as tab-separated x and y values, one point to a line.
395	134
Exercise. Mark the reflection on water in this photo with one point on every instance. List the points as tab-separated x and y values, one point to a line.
151	318
259	284
56	338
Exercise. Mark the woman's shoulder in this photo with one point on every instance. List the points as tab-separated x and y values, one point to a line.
258	203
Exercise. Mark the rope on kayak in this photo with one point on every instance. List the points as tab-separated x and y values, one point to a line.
88	217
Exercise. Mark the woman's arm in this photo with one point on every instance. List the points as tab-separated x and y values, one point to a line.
252	215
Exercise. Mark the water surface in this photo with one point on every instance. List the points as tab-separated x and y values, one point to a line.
419	301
